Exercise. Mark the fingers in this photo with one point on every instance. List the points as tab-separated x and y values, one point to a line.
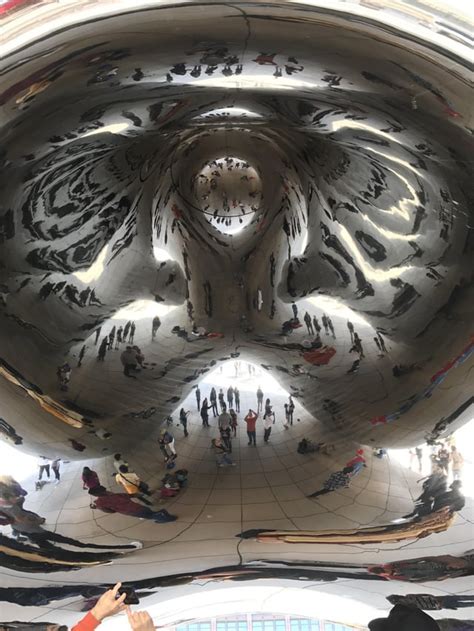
120	600
115	589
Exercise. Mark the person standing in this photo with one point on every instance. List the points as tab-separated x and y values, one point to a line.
97	335
268	421
155	325
251	420
309	323
457	463
287	416
131	339
44	467
230	396
324	320
119	338
103	349
259	399
82	352
111	338
126	330
221	399
377	343
213	400
55	465
233	421
419	455
443	459
204	413
224	429
291	409
382	343
237	399
316	325
331	327
198	397
294	308
350	326
183	419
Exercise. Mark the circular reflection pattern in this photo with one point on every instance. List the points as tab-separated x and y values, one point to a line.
236	252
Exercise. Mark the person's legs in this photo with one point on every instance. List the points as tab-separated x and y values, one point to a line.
162	516
266	434
321	492
57	475
249	434
254	437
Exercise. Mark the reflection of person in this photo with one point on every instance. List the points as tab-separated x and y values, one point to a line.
90	479
198	397
205	414
237	399
251	420
122	503
132	484
337	480
155	325
109	604
224	423
429	602
55	466
44	467
259	399
403	618
183	419
213	400
457	462
419	455
222	453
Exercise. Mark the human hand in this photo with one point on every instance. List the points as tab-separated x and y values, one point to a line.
108	604
140	620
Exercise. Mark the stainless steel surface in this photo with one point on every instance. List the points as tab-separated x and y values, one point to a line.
237	164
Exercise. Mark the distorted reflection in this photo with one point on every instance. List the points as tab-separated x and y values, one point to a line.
236	305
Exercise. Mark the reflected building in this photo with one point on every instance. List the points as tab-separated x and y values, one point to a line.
235	273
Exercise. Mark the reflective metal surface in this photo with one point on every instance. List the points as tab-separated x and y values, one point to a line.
185	186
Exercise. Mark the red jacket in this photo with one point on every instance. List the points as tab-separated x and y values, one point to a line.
119	503
89	623
251	420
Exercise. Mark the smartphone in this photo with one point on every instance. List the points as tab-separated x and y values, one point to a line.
131	597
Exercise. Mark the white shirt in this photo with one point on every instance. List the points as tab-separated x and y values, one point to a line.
268	422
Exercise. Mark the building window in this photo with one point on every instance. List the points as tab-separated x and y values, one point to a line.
268	625
231	625
197	626
303	624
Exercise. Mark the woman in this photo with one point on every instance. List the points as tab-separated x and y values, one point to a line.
90	479
204	413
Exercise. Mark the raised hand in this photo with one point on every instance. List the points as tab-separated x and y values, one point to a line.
108	604
140	620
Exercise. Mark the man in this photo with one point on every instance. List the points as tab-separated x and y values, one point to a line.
55	466
213	400
220	396
132	333
324	320
457	463
259	399
224	422
419	455
251	420
331	327
403	618
198	397
291	409
132	484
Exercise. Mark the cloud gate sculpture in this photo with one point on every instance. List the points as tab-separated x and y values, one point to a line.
236	269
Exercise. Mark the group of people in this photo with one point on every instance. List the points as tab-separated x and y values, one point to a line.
46	466
114	339
436	495
123	503
444	456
